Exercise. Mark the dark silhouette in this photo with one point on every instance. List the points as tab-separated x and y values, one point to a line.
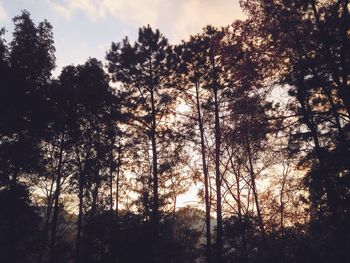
256	115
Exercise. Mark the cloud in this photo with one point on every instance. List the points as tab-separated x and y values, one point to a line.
196	14
175	18
3	15
126	10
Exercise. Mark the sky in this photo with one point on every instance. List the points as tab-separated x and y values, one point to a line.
86	28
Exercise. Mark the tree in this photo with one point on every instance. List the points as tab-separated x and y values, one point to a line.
192	67
144	70
304	43
30	62
26	66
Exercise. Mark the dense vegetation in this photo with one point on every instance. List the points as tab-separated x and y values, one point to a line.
256	115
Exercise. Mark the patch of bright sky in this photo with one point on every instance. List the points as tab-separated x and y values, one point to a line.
86	28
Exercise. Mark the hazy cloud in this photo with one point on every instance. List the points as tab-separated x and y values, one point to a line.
195	14
175	18
126	10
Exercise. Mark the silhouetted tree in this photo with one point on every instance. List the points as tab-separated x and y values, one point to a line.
307	42
144	69
193	65
26	66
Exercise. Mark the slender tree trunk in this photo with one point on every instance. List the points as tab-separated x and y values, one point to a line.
13	181
174	206
52	253
206	177
219	243
155	212
245	258
80	220
47	221
95	199
255	192
282	204
97	187
238	193
113	226
80	208
111	170
215	89
118	182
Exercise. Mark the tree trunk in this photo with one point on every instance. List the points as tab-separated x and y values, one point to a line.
111	170
47	221
117	182
80	211
255	192
52	254
97	187
219	243
237	174
80	220
155	212
95	198
282	203
13	181
206	177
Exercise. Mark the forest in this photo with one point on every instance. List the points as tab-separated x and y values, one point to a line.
253	116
